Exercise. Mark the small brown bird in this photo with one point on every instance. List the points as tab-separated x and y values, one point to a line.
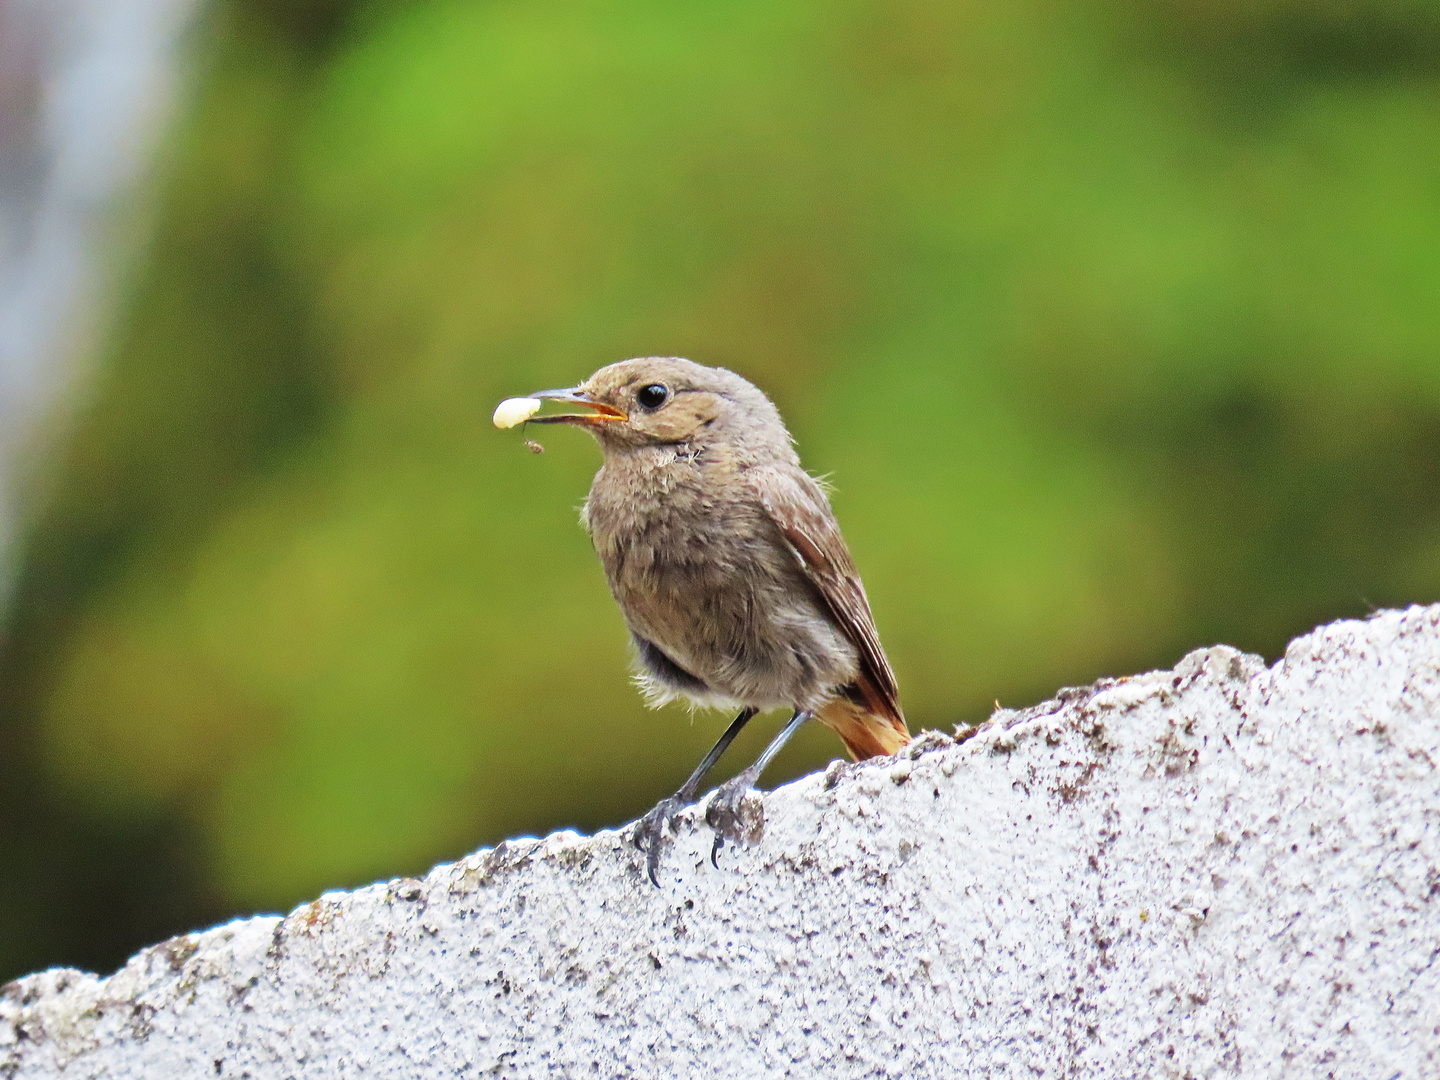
727	563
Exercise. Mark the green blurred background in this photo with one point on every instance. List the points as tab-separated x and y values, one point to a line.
1114	324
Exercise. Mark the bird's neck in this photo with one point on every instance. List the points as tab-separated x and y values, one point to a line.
656	488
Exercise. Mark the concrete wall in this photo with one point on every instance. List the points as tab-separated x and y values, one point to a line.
1221	869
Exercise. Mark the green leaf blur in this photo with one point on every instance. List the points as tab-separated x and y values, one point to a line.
1113	324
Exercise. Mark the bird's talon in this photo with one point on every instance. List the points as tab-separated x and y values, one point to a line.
650	834
735	813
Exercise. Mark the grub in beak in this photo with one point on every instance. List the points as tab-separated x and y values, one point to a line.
515	410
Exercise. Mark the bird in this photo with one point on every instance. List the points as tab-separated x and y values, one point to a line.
729	567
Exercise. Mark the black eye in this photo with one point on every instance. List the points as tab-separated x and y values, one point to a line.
652	396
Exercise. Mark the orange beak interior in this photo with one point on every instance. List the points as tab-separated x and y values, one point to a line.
600	414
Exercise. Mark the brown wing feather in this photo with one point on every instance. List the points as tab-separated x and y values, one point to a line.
797	505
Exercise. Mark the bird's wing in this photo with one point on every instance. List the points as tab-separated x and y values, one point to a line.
796	503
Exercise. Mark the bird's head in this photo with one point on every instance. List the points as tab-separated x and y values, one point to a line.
667	401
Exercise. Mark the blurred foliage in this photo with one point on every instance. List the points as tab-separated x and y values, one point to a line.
1112	322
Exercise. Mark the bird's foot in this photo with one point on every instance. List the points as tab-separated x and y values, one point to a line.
650	833
736	812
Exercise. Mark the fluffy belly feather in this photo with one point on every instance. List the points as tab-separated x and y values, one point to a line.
736	637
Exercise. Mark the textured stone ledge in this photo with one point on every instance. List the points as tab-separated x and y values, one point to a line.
1221	869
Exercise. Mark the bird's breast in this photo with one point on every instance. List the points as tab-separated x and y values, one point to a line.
703	573
660	511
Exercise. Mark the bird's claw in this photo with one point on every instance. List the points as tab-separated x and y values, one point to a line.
650	833
736	812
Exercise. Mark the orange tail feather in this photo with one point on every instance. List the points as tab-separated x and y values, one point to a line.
865	734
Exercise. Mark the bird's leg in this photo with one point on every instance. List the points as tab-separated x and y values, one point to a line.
651	828
730	813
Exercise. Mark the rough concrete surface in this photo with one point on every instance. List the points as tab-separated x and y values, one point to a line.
1224	869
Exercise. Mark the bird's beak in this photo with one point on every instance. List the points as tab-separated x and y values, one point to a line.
602	414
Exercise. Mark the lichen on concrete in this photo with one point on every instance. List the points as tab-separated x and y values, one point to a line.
1224	869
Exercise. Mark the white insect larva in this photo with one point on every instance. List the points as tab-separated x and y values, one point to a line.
515	410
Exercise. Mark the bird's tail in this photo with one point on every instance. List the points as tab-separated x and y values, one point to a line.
864	733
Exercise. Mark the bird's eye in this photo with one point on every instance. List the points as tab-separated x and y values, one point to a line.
652	396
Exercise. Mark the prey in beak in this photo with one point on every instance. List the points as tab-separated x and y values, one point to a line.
600	412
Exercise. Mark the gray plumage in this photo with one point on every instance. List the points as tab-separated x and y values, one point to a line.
724	555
